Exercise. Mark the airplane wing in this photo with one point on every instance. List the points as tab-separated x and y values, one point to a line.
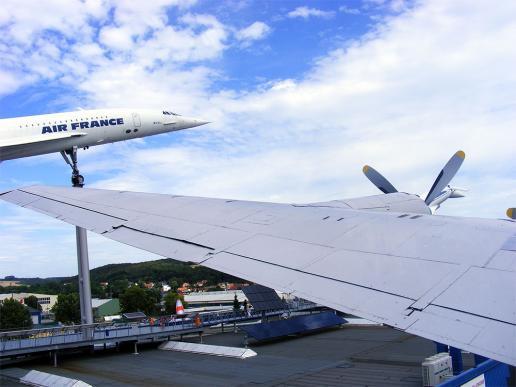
39	138
452	280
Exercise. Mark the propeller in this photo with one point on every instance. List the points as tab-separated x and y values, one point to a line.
440	190
378	180
445	176
511	213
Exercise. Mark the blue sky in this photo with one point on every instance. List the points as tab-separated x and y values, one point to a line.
301	95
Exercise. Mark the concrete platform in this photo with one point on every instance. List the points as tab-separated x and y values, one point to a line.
373	356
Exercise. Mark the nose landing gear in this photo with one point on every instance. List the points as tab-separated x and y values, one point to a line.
70	156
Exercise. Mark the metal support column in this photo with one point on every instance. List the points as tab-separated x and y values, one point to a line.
480	359
439	347
84	275
456	355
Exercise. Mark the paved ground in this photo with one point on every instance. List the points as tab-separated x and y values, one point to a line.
356	356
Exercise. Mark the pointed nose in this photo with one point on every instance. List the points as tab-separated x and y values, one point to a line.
190	122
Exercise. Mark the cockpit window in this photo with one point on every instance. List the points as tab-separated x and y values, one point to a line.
170	113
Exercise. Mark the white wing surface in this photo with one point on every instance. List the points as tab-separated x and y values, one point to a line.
451	280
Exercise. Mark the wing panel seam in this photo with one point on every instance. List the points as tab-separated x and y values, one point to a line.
72	205
320	276
476	315
163	236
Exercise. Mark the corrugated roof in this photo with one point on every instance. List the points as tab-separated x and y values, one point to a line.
96	302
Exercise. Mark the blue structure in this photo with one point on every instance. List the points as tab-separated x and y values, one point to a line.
295	325
495	374
441	347
480	359
456	356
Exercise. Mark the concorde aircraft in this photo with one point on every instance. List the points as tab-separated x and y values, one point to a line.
67	132
384	258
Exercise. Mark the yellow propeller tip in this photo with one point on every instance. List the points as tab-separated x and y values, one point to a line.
510	213
461	154
365	168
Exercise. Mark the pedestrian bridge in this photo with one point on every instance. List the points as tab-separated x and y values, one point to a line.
18	343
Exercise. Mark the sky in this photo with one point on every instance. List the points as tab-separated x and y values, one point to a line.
301	94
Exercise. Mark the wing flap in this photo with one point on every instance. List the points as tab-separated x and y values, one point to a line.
401	276
367	303
493	293
493	339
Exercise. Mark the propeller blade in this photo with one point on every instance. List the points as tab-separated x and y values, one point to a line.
511	213
445	176
378	180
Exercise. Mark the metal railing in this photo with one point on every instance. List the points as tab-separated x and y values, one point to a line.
82	335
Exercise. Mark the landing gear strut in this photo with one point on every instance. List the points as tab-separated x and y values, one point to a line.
70	156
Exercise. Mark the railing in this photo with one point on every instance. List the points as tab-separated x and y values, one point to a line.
82	335
86	334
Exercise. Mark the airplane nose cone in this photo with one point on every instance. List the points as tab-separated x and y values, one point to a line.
190	122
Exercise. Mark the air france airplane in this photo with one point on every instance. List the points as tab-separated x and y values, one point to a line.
66	132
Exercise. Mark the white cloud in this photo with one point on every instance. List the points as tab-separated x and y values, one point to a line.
24	20
401	99
116	38
203	39
348	10
398	5
306	12
256	31
432	80
42	41
9	82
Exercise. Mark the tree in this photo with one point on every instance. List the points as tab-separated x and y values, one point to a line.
67	308
32	301
14	315
136	299
119	286
170	302
154	294
97	290
173	284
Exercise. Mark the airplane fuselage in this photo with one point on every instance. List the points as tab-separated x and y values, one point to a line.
48	133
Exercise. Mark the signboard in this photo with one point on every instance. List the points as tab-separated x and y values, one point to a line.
479	381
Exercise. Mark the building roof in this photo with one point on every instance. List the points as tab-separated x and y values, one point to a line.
96	302
24	295
371	355
134	315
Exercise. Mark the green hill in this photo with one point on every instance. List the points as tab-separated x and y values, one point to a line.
160	270
166	270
